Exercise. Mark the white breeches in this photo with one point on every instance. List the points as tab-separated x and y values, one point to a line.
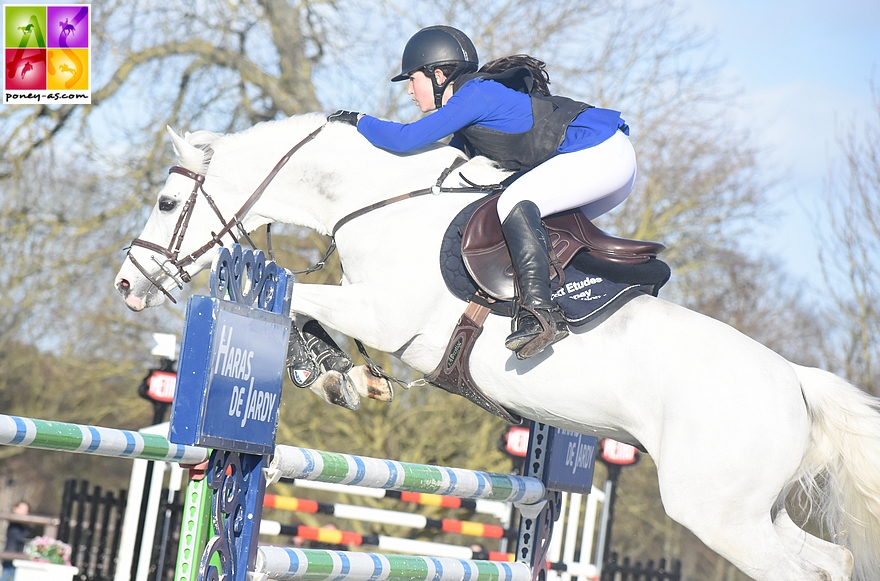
595	180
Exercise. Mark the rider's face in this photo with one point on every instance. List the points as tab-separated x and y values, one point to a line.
422	91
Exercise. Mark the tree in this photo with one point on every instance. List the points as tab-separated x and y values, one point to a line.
849	259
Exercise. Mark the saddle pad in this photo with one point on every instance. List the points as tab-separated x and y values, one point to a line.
582	297
458	279
585	296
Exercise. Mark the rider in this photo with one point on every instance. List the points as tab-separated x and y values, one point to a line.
566	154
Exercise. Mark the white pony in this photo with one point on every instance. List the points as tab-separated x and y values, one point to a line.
732	426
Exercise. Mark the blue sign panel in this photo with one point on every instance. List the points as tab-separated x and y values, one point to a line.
572	457
231	367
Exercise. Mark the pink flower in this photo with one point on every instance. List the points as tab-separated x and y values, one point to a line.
48	550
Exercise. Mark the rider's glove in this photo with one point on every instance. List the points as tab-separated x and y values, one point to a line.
350	117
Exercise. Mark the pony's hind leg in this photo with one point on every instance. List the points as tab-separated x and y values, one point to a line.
835	559
727	505
757	549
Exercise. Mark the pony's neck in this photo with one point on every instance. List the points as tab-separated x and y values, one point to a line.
336	173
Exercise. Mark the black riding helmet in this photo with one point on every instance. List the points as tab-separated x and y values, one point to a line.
436	46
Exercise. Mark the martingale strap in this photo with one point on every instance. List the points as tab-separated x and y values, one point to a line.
374	367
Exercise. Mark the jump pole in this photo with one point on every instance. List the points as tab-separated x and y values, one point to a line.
497	509
287	564
94	440
332	467
386	517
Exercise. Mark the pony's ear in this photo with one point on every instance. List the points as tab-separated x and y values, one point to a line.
188	155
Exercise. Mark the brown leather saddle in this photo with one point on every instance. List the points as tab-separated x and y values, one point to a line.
486	258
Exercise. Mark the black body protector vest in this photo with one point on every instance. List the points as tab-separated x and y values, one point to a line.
551	116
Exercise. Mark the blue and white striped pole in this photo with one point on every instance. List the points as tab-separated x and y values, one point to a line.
307	464
286	564
83	439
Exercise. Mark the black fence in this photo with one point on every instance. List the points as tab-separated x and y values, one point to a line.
167	539
613	570
91	523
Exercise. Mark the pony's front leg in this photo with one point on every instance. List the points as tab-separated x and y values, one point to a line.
365	311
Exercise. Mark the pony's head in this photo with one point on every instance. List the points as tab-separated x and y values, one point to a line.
185	225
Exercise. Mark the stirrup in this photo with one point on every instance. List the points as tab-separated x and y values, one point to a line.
535	331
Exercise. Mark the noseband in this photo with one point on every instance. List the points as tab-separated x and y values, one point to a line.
174	265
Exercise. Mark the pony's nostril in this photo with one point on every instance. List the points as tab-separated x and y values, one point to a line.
123	286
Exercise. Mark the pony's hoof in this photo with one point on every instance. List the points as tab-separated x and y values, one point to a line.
335	388
368	385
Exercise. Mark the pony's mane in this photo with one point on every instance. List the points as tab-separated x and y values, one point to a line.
206	140
480	169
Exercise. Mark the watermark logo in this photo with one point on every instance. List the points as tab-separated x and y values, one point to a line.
47	54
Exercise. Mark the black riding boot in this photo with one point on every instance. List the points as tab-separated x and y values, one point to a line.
539	322
312	353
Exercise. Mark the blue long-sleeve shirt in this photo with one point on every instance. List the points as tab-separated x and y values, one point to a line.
488	104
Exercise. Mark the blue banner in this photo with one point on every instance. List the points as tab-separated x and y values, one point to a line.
233	356
571	461
230	374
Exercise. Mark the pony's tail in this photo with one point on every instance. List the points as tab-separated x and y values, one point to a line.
841	467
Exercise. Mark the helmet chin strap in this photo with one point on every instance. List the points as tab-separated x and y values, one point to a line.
439	89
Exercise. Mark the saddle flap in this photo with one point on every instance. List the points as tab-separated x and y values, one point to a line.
571	230
484	251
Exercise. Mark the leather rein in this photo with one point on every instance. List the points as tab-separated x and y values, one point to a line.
174	265
173	260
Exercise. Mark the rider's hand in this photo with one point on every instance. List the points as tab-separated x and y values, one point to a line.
350	117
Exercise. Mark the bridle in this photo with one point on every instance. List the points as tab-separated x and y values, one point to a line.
174	265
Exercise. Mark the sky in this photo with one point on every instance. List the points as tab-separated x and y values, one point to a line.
805	70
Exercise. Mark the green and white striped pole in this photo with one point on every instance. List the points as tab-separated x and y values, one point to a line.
82	439
307	464
287	564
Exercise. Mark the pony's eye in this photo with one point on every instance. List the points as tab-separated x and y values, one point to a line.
167	204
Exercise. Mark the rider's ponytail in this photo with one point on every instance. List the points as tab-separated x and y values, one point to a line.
536	66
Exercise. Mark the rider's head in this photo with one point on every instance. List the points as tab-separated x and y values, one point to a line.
438	47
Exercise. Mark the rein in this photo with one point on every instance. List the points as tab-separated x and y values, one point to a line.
172	252
435	189
174	265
